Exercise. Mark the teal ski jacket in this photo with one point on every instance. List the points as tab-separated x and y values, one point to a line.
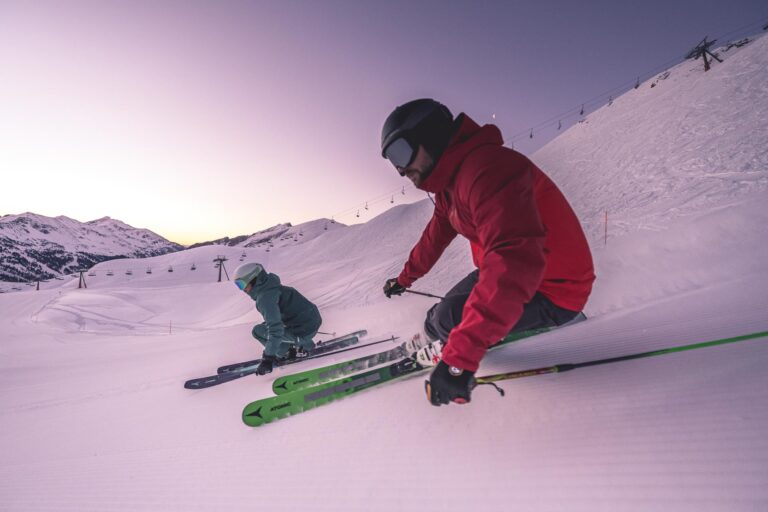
285	311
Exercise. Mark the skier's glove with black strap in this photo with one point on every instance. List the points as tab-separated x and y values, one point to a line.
266	364
392	287
449	384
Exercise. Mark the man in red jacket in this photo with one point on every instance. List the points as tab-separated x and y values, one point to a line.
534	267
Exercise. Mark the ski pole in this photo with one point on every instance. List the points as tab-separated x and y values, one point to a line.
354	347
560	368
425	294
327	333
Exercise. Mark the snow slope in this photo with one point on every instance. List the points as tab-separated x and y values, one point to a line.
93	415
681	143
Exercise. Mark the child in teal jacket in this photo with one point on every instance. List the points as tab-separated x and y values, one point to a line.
290	319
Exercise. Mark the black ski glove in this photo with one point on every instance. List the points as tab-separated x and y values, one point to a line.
266	364
392	287
449	384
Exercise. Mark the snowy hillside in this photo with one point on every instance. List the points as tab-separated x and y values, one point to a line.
681	162
686	141
277	236
93	415
38	247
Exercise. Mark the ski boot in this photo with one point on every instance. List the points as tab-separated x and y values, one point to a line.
303	353
417	342
290	355
429	355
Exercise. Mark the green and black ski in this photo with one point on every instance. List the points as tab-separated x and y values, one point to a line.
299	400
315	376
273	408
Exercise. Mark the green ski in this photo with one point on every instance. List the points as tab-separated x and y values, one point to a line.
309	378
273	408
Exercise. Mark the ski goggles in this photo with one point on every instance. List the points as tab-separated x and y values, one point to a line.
400	152
241	284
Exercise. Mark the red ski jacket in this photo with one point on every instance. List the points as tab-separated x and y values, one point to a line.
524	237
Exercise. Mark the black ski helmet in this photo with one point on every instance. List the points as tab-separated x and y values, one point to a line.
425	121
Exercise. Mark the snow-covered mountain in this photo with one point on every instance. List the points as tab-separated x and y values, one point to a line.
280	235
37	247
92	409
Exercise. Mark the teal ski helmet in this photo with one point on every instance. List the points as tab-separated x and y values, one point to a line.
246	273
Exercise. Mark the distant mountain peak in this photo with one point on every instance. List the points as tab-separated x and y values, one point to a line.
38	247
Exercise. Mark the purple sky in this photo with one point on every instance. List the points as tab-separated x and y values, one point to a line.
202	119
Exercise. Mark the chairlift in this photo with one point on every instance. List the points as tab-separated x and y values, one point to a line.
582	110
110	273
170	269
392	201
149	270
91	274
193	267
128	273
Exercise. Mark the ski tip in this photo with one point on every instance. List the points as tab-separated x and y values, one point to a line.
266	411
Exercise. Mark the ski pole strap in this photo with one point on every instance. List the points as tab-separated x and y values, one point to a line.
499	389
560	368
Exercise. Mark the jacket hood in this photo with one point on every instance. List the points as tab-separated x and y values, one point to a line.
468	137
264	282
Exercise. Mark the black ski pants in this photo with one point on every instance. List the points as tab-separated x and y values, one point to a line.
446	314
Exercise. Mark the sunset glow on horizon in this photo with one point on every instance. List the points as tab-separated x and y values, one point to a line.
199	120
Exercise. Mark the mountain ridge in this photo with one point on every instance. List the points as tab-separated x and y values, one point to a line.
37	247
